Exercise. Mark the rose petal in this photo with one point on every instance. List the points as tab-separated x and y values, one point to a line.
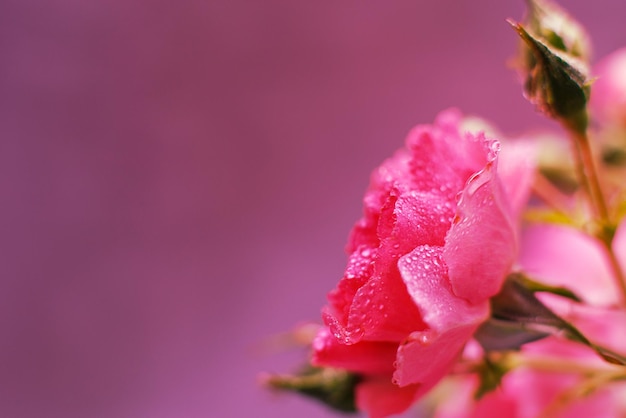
563	256
442	159
516	169
364	357
425	275
608	96
426	356
358	272
383	180
411	219
493	405
383	309
480	247
380	398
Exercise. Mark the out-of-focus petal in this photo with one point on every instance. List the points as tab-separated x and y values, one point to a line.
608	92
563	256
516	169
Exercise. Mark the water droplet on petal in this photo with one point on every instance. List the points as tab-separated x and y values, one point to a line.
477	180
493	148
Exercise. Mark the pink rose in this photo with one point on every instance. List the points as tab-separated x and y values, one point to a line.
608	92
435	243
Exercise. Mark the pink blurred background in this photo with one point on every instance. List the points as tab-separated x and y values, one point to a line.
178	180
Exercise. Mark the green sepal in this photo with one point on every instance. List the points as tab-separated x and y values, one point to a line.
518	317
548	216
333	387
614	156
490	374
535	286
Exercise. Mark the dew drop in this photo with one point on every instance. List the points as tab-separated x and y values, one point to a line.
477	180
493	148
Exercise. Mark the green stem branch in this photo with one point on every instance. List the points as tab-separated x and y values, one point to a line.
588	175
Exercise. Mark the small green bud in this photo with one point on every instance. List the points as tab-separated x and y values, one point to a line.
333	387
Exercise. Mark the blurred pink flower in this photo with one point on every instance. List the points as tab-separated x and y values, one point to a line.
531	393
608	92
436	241
560	256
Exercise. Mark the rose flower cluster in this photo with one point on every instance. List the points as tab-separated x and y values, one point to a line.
486	277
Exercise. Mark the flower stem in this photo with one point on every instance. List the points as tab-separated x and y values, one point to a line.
582	389
561	365
550	194
588	175
618	272
511	360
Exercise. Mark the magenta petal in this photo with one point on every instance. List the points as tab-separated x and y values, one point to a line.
426	356
389	175
384	310
480	247
411	219
425	275
381	309
364	357
358	272
380	398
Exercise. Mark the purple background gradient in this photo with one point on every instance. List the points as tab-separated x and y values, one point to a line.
178	180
